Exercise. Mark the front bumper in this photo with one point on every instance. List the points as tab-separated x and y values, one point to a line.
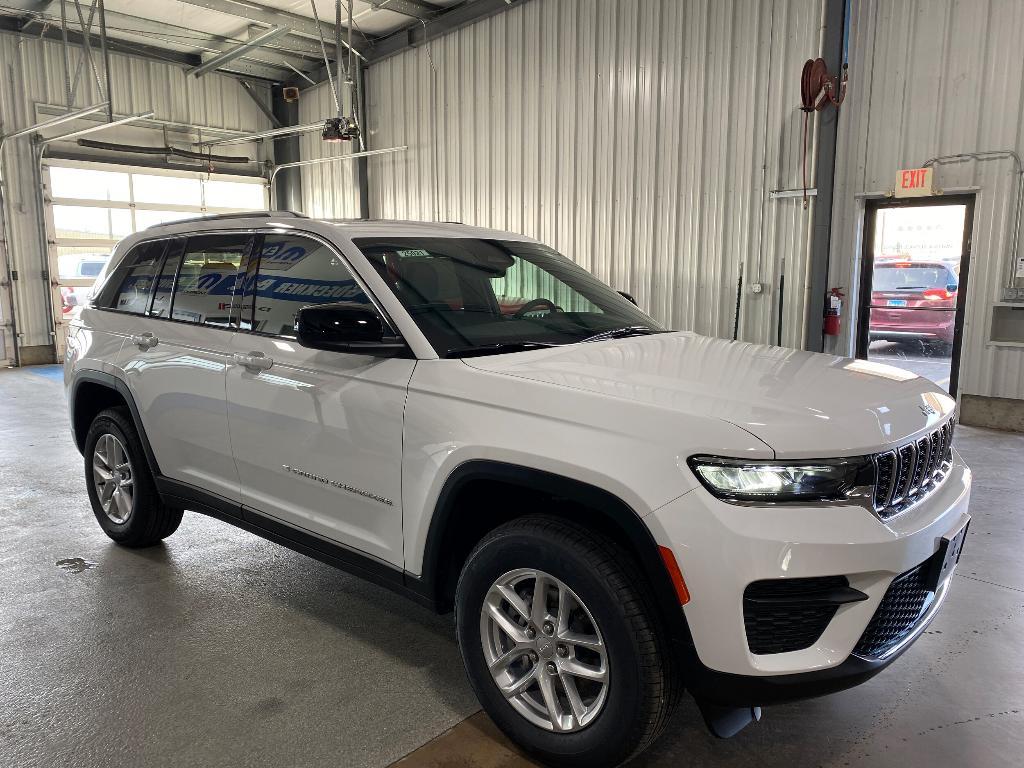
721	548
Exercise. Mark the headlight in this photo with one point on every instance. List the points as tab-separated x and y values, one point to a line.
779	481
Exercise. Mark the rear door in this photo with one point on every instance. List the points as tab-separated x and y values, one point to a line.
176	357
317	435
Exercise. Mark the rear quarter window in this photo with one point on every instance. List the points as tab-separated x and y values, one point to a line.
129	287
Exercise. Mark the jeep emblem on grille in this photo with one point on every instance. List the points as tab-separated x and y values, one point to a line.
927	410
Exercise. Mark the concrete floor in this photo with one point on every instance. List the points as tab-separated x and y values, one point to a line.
219	648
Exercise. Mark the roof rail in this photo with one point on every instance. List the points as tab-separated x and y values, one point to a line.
238	215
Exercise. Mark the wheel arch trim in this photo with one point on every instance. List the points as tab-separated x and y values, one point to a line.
112	382
640	539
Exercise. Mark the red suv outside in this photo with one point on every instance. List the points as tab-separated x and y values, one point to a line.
914	300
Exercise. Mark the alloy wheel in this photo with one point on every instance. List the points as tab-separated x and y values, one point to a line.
544	650
113	478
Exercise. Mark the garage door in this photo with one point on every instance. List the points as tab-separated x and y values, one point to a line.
90	206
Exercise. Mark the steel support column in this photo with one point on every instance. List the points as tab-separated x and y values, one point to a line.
825	163
288	196
362	163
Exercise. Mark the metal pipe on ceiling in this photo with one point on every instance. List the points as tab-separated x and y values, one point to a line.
317	161
57	121
992	154
335	91
269	134
106	60
87	46
337	46
42	108
100	127
67	61
300	73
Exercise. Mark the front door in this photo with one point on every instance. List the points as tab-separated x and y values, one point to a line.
317	435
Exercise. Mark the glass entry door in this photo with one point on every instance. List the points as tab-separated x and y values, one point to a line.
914	284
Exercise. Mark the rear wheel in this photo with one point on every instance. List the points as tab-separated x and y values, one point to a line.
121	488
560	644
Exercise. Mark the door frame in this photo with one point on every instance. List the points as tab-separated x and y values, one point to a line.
867	266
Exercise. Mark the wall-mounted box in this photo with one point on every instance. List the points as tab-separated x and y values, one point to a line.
1007	324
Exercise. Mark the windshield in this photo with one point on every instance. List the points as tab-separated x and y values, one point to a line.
472	296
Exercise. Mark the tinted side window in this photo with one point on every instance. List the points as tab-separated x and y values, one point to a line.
129	287
295	272
207	276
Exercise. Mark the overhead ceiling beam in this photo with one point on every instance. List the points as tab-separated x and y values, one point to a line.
417	34
458	17
13	24
239	50
413	8
290	46
262	63
261	14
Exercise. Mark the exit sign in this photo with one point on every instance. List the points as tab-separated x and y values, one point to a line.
914	182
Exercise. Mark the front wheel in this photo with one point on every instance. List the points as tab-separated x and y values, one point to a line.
560	645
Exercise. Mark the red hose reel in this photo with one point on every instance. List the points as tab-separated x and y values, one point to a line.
817	90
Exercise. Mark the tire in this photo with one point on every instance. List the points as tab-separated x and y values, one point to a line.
132	514
641	686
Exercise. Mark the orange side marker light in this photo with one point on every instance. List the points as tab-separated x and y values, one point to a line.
675	574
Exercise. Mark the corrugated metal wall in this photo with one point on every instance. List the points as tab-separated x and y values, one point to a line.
329	190
638	137
31	73
929	78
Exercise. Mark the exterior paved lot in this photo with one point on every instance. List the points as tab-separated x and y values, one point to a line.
220	649
914	357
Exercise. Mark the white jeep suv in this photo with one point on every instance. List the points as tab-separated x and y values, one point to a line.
614	511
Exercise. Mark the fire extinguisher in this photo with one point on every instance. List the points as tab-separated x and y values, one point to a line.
833	309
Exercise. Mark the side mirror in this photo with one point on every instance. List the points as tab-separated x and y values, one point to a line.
346	327
627	297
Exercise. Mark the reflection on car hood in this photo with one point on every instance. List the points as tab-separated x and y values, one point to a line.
802	404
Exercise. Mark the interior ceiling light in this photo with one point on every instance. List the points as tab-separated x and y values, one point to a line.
340	129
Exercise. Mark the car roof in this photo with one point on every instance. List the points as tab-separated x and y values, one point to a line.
347	228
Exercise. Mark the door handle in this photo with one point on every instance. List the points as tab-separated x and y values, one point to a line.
256	361
145	340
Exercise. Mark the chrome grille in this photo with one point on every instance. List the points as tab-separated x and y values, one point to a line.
907	474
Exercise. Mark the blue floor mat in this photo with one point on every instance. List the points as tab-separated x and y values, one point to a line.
55	372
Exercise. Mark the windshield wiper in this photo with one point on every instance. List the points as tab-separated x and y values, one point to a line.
621	333
499	348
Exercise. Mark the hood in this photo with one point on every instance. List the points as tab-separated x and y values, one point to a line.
801	404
